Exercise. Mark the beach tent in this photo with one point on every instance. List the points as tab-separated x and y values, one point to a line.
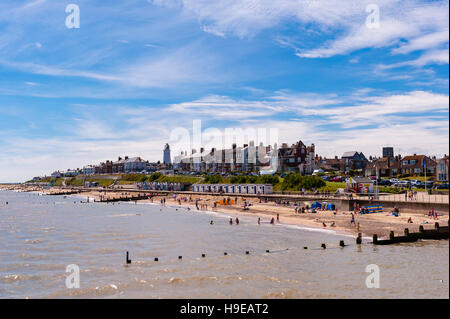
331	206
316	205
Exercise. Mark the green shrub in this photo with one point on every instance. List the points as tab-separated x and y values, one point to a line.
154	177
296	182
213	179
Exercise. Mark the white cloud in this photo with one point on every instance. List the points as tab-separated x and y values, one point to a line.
405	26
424	42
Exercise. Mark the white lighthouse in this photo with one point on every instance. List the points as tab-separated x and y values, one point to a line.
166	155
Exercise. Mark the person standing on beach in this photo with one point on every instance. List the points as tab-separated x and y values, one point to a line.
278	217
237	221
231	221
259	221
353	220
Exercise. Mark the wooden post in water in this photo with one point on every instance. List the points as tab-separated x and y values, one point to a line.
391	235
436	225
359	239
128	260
406	232
341	243
375	238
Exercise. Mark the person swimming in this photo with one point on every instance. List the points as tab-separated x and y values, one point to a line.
259	221
211	222
237	221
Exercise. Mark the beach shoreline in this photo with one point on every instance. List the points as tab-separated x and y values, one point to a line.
380	223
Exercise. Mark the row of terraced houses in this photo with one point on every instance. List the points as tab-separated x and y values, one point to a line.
297	157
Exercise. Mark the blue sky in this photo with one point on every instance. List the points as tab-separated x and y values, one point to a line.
135	70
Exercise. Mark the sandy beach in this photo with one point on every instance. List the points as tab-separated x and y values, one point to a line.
369	224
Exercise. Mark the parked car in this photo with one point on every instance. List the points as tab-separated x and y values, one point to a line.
429	184
442	186
385	182
419	184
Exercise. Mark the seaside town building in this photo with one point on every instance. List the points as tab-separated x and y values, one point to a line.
71	173
248	158
388	152
331	164
56	174
442	169
417	164
104	168
134	164
384	167
166	155
296	158
89	170
354	161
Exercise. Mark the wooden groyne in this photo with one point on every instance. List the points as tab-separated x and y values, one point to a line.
64	192
439	232
122	198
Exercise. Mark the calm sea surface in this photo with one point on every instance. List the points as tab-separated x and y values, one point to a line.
41	235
